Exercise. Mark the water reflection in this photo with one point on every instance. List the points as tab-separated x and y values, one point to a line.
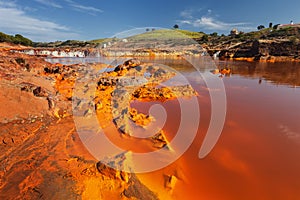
277	73
257	156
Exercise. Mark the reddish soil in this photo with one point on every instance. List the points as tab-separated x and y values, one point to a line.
41	155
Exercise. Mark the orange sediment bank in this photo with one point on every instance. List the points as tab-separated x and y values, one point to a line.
271	59
81	174
42	155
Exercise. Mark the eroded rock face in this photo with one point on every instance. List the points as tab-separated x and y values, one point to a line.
41	155
263	50
137	190
111	172
136	81
115	167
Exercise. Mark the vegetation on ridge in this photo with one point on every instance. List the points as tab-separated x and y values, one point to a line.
289	34
17	39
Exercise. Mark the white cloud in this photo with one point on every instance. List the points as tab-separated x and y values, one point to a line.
187	14
213	24
14	20
186	22
7	4
49	3
208	22
86	8
82	8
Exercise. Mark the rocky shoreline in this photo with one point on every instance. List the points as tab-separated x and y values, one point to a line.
260	50
41	153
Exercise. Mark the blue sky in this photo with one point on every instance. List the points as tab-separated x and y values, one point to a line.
51	20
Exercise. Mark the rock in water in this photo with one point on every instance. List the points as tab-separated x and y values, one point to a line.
170	182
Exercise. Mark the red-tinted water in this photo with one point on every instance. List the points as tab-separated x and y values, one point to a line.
258	153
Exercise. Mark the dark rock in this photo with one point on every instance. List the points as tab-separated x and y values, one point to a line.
27	87
51	103
39	92
20	61
132	63
159	140
138	190
170	181
107	81
127	65
47	70
119	68
106	170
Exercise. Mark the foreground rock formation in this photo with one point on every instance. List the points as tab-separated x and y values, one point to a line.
121	86
41	154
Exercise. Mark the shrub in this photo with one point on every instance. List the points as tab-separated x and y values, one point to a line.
20	61
204	38
260	27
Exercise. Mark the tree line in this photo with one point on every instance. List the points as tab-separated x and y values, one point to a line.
16	39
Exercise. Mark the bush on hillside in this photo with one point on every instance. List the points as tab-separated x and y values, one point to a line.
17	39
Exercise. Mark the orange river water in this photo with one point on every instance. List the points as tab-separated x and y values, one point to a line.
258	153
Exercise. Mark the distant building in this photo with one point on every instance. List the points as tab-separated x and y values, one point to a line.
291	24
234	32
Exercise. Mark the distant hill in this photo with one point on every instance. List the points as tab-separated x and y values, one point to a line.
67	43
165	34
17	39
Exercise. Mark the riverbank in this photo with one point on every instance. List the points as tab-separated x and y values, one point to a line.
42	154
260	50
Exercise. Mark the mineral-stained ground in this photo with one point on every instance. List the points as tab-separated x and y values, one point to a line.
41	154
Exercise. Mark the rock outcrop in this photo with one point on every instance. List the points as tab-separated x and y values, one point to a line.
262	50
41	154
130	81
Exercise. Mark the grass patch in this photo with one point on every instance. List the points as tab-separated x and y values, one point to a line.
165	35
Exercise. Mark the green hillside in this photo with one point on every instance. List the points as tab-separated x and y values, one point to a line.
17	39
166	34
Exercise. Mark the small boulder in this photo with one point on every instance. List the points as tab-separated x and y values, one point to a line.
170	181
106	170
39	92
159	140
